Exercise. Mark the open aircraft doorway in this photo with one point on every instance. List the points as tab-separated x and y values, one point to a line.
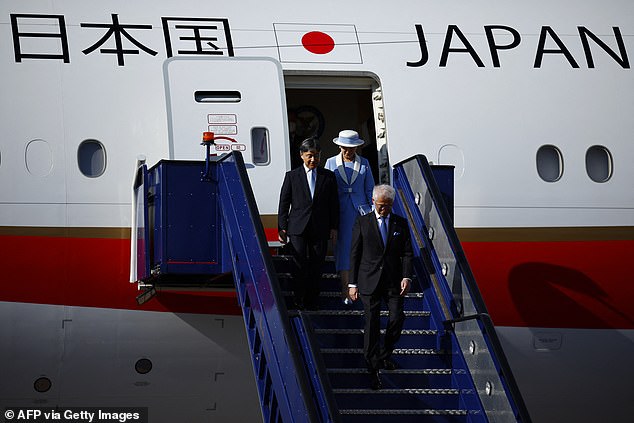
322	106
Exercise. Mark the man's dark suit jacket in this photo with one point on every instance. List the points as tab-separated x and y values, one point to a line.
370	260
298	212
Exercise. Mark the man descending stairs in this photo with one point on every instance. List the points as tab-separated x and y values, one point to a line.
418	389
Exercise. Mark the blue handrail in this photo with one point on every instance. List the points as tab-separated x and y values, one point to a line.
315	367
274	354
283	354
454	288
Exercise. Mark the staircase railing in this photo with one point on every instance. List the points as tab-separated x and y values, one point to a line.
455	293
315	367
287	373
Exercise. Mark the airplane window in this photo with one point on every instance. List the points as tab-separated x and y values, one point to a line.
39	158
260	146
550	163
91	157
599	163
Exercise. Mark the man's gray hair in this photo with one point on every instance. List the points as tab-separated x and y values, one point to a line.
383	191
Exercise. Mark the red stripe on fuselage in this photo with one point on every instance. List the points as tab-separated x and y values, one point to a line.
89	272
554	284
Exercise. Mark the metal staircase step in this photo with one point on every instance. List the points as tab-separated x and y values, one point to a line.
384	313
404	332
422	377
407	358
288	275
354	318
389	398
329	337
331	299
324	275
329	280
425	412
399	391
397	351
402	412
355	370
337	294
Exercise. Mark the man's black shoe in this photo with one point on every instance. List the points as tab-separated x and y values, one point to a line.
375	380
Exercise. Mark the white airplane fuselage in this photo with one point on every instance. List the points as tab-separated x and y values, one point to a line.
530	101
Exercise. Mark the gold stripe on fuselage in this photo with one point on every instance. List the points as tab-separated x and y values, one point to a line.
66	232
546	234
537	234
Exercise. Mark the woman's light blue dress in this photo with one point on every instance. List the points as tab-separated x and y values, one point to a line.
351	198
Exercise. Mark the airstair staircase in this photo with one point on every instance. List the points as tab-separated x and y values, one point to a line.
420	387
309	366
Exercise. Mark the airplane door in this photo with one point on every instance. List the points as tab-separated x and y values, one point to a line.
240	98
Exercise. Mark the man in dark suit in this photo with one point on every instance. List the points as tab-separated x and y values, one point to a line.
308	216
381	260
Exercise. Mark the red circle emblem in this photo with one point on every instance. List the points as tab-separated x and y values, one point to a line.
318	42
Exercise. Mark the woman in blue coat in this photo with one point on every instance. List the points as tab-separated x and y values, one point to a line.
355	183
